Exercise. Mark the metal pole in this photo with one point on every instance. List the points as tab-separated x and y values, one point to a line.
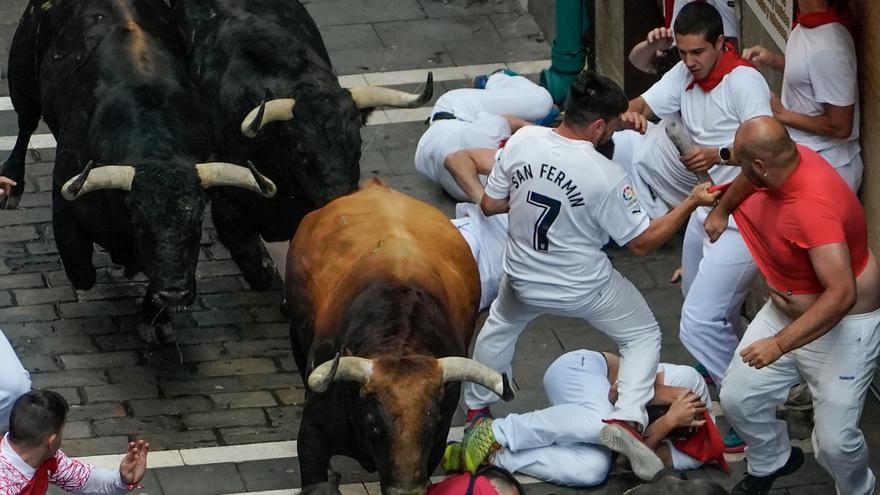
568	54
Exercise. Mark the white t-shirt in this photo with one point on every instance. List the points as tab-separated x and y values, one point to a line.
566	200
727	9
712	118
820	67
445	137
487	238
655	160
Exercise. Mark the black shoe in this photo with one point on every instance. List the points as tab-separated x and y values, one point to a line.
760	485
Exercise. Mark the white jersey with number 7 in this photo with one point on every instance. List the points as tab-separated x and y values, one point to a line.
566	201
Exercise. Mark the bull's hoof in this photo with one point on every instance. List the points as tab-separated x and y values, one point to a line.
162	333
10	202
262	277
325	488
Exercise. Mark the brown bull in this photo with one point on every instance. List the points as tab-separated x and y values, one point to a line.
388	283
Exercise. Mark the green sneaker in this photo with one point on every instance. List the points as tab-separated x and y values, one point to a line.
452	457
733	444
478	445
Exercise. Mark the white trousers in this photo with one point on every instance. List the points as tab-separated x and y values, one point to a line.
837	368
717	277
618	310
14	380
504	95
487	238
852	172
561	443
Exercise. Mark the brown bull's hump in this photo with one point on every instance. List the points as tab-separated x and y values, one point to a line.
379	234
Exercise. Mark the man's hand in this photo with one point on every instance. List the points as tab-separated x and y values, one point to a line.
134	464
685	409
762	353
760	56
660	39
676	275
6	185
634	121
715	224
701	195
701	159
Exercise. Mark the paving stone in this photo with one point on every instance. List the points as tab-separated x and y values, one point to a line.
270	381
268	314
291	396
84	326
100	360
514	49
54	344
96	411
214	318
176	388
336	12
77	429
23	216
258	434
265	348
70	394
219	284
112	291
96	446
447	8
230	417
140	425
217	268
350	36
119	392
176	356
206	335
285	415
18	233
99	308
180	440
5	299
210	479
21	280
236	367
16	314
517	25
270	474
182	405
119	342
36	364
235	400
363	60
413	33
66	379
234	299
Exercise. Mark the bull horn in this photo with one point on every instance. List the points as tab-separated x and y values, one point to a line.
94	178
459	369
377	96
356	369
215	174
269	111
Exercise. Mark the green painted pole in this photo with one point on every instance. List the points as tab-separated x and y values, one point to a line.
568	54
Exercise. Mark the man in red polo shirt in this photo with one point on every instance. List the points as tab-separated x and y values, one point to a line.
806	230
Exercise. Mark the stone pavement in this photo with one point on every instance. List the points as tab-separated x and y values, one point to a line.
230	382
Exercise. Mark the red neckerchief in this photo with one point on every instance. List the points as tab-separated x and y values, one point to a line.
728	61
705	445
463	484
39	484
816	19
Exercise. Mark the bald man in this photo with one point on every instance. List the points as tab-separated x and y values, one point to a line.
807	233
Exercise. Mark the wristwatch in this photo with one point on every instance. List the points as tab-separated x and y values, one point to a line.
723	155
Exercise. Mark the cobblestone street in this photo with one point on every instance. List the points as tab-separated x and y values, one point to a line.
222	407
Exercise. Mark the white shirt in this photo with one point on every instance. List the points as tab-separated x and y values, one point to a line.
487	238
566	200
656	161
712	118
727	9
445	137
820	67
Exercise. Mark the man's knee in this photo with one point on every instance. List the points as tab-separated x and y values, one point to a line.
836	441
736	395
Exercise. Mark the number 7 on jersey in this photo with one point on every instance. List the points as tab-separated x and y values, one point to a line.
551	210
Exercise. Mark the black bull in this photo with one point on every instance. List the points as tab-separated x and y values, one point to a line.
109	78
306	138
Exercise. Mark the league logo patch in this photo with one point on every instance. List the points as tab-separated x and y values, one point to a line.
629	195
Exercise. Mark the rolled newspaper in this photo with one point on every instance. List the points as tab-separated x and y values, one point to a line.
678	135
